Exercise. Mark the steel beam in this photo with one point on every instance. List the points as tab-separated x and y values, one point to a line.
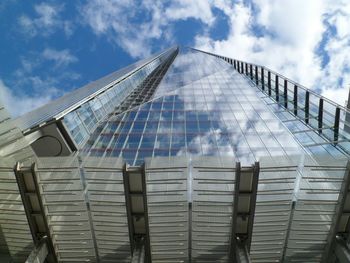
39	253
342	251
242	254
136	206
147	237
246	185
339	224
234	211
252	205
128	207
138	255
34	208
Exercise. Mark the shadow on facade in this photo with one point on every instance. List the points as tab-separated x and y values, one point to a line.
121	254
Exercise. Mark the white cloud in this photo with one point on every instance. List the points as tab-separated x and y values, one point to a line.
289	38
17	104
119	21
60	57
46	21
114	19
184	9
287	42
337	95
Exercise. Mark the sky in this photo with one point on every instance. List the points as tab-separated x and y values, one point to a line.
48	48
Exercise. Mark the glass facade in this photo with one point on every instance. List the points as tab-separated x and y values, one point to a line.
60	107
204	107
82	122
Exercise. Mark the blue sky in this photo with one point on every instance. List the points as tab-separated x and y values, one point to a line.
51	47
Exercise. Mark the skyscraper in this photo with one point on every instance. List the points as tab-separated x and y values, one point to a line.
186	156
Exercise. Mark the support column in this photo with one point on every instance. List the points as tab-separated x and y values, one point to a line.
342	251
246	184
34	208
242	254
339	233
39	253
136	202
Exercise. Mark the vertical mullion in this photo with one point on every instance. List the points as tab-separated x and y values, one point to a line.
262	79
295	100
251	71
277	88
285	94
256	75
320	115
336	125
269	82
307	102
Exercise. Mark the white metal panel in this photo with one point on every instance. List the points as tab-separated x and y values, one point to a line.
167	210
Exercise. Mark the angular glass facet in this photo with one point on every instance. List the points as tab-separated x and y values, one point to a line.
201	107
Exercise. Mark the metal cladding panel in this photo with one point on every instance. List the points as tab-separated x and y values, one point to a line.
104	179
66	209
15	238
168	213
85	208
315	210
273	207
212	205
74	99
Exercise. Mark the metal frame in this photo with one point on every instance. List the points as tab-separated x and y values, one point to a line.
240	243
30	192
234	211
39	253
334	235
242	253
136	237
147	238
253	196
128	207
